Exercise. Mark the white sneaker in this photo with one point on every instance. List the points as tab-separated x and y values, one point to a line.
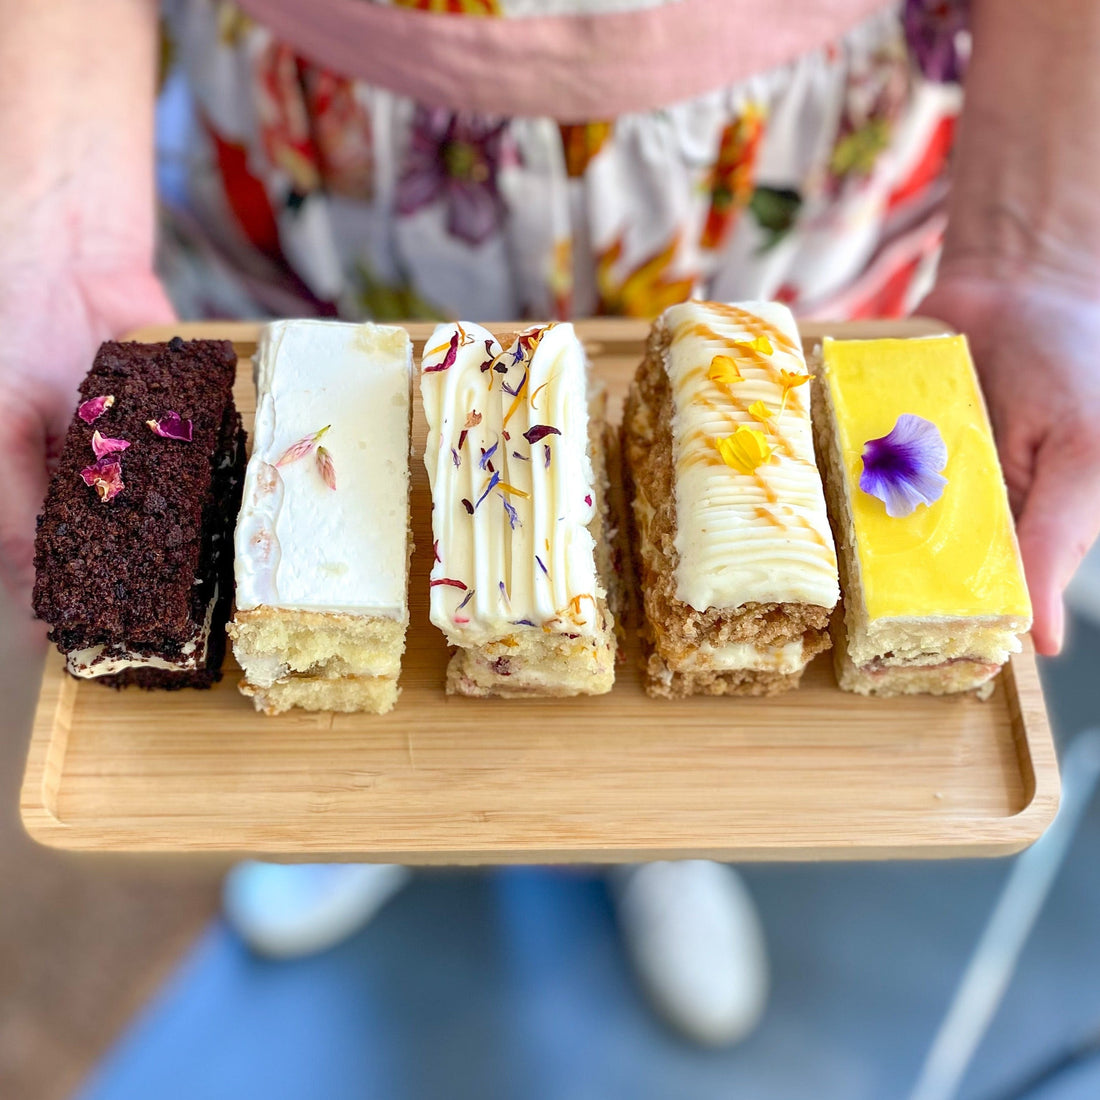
287	910
696	942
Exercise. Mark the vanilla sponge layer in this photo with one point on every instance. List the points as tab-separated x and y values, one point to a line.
271	644
347	695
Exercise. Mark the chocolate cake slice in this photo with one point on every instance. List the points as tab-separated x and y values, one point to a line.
133	558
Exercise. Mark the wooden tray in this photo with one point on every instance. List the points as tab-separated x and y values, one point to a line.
815	774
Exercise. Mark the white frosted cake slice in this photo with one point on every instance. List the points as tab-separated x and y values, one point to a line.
736	559
322	542
515	457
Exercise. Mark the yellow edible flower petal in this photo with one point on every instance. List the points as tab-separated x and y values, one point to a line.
743	451
723	369
788	379
759	411
761	344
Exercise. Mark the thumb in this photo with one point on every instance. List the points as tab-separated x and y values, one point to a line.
1059	521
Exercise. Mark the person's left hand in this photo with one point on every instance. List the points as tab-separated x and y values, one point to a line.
1036	344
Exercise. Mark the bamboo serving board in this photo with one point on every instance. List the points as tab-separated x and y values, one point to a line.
814	774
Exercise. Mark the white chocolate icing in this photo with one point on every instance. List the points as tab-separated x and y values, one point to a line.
300	544
742	538
98	660
541	573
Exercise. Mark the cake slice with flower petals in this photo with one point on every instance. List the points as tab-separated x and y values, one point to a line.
134	573
735	557
322	542
935	599
515	457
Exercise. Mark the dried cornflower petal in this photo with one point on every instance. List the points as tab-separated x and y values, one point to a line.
95	407
104	444
170	426
325	465
902	469
105	476
302	448
513	515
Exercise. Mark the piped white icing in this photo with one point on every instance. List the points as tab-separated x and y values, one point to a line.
536	569
762	537
300	544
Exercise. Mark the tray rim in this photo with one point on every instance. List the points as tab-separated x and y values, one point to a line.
949	838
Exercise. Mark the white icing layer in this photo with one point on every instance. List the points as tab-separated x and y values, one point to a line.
760	537
300	544
94	661
541	571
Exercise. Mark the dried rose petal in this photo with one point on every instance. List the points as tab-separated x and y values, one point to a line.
302	448
95	407
539	431
104	444
105	476
328	470
170	426
449	581
472	420
448	359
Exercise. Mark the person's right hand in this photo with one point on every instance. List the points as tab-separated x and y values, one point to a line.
53	316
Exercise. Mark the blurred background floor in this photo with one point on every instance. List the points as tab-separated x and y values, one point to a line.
512	984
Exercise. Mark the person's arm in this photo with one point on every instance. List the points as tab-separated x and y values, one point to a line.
76	224
1021	272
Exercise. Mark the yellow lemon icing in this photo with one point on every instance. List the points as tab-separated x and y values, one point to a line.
958	556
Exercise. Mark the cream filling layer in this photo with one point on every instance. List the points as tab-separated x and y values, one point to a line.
512	484
761	536
91	662
783	659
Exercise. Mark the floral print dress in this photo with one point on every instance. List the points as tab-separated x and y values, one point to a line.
819	183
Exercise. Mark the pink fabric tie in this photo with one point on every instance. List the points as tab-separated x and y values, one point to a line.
574	68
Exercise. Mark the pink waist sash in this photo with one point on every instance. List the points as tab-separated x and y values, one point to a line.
574	68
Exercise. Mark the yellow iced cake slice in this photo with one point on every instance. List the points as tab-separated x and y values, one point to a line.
934	592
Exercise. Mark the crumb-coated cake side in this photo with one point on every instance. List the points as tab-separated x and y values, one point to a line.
731	540
935	598
132	556
515	456
322	541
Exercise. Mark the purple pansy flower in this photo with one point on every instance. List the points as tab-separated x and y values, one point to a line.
454	158
903	468
936	32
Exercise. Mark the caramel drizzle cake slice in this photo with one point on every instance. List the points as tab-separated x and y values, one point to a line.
515	458
736	560
322	544
935	598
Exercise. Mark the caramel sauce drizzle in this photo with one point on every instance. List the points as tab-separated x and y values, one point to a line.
798	520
